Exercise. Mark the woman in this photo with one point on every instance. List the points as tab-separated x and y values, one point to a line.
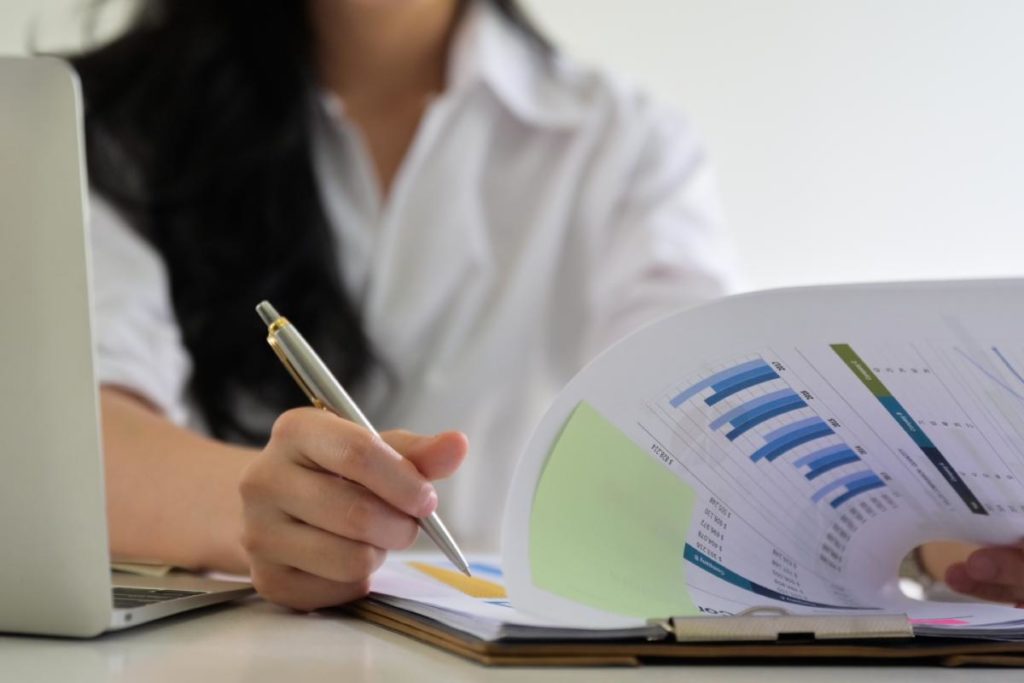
455	215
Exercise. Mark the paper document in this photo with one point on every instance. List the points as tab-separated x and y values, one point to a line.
430	586
783	449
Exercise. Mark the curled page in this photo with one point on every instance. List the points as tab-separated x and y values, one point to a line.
784	448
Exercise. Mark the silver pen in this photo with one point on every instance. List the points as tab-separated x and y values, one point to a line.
326	393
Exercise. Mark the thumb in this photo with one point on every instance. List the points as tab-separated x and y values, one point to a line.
436	457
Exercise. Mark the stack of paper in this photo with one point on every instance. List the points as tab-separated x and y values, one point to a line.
431	587
780	449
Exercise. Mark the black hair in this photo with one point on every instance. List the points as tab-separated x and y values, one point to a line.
197	132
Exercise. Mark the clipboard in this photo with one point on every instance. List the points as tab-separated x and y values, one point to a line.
765	635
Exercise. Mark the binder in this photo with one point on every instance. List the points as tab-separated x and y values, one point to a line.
760	635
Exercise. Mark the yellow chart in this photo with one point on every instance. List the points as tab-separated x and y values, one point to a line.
470	585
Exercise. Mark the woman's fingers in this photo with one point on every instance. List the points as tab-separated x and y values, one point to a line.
347	450
302	591
290	543
993	573
345	509
327	498
1002	565
959	580
436	457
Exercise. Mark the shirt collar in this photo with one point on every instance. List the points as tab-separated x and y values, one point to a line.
536	87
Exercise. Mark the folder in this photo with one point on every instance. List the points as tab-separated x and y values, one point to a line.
420	596
782	639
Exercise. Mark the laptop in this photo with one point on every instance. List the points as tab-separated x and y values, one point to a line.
55	575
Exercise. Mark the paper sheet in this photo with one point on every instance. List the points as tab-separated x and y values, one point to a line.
811	438
429	585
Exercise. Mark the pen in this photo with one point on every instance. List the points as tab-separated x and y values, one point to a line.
326	393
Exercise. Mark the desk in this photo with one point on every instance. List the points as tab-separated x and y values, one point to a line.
253	641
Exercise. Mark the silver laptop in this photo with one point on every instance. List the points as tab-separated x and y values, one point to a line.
55	575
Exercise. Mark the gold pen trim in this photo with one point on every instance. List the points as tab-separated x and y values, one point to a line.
317	403
277	325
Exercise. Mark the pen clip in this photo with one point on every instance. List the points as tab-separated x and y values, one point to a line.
295	375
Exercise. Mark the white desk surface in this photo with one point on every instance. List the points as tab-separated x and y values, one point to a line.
253	642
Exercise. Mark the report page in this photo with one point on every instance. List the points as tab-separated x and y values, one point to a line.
781	449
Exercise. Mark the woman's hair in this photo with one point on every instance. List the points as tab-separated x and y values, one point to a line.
197	129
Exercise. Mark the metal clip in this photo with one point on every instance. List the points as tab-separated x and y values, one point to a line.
774	623
291	370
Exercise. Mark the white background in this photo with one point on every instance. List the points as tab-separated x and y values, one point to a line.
854	139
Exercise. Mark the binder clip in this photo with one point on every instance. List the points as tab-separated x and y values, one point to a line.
774	623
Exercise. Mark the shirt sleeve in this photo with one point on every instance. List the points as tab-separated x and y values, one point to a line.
138	343
665	246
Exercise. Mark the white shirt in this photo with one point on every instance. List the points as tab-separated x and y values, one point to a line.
542	211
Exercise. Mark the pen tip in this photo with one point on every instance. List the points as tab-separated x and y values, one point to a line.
267	312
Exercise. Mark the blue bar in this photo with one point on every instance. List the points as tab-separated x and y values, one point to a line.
852	491
824	460
793	427
823	453
485	568
849	479
750	405
742	378
774	449
736	386
831	463
717	378
750	420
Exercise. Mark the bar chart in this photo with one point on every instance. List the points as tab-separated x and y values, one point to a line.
780	441
768	422
825	460
854	484
728	382
752	413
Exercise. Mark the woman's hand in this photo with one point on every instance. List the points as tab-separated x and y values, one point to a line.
325	500
994	573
